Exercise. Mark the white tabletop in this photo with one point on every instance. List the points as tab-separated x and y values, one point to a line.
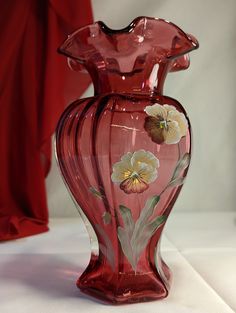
38	274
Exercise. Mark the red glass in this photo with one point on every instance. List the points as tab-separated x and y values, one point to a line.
124	153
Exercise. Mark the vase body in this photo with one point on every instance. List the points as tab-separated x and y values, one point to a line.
125	152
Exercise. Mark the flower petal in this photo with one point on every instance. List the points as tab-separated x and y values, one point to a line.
133	185
146	157
156	110
181	120
172	134
149	174
121	171
169	108
127	157
117	177
151	127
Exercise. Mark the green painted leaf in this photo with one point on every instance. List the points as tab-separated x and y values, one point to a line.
95	192
176	182
106	218
141	240
134	237
127	219
146	213
140	224
107	248
125	245
155	223
182	164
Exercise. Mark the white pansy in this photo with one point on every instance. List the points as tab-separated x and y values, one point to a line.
135	171
164	124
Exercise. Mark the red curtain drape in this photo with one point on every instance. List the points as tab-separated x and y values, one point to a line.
32	97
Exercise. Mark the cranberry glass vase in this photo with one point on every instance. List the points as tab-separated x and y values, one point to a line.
125	152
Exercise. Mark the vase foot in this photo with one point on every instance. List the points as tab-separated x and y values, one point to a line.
123	288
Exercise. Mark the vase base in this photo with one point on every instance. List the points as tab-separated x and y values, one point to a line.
123	299
125	288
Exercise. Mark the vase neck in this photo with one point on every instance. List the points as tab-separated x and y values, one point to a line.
147	80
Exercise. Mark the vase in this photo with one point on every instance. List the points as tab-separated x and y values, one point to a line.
124	153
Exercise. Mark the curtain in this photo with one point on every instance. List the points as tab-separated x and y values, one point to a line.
33	77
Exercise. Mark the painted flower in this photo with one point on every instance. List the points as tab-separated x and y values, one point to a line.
135	171
164	124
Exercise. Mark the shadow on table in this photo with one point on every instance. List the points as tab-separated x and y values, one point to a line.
49	274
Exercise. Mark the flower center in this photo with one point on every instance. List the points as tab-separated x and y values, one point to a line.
162	124
134	175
